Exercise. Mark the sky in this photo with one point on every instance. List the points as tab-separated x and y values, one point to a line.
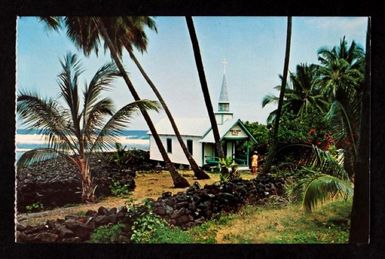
254	48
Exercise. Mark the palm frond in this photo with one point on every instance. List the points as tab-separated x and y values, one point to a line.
94	118
107	136
101	81
38	155
324	187
68	82
51	22
269	99
337	109
83	32
45	115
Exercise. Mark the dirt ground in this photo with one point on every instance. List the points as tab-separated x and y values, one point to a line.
148	185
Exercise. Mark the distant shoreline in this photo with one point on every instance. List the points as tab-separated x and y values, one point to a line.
135	139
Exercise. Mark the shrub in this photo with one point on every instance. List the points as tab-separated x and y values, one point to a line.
145	226
36	206
106	234
118	189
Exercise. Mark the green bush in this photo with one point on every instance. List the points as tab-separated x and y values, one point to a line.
129	158
145	226
118	189
106	234
36	206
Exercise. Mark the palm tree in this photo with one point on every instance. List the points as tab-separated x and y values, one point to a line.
359	230
74	132
205	89
301	95
274	144
128	27
179	181
85	32
341	76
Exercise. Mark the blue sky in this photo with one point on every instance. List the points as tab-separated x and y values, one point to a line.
254	48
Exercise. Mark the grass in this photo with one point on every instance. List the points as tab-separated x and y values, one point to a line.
270	224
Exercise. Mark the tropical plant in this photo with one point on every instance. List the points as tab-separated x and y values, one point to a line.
86	33
301	95
324	178
273	145
341	67
119	189
228	169
205	89
77	130
341	75
106	234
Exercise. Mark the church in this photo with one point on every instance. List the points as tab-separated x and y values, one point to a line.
199	138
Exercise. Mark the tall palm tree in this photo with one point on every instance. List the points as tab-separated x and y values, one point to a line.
301	95
341	68
274	144
360	224
74	132
341	76
125	31
179	181
205	89
86	33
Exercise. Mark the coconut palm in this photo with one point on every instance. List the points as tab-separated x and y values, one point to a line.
129	30
274	143
205	89
76	129
304	92
87	32
341	76
301	95
341	68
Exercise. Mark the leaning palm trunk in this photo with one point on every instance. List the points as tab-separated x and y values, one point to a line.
360	223
178	180
274	137
205	89
199	173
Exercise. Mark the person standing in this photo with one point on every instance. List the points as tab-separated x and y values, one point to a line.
254	163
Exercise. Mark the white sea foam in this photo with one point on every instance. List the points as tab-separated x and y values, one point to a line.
40	139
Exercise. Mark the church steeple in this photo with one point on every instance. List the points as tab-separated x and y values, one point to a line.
223	113
224	103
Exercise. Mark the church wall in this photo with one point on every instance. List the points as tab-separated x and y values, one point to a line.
177	155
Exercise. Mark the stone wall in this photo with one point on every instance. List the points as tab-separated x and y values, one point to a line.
196	205
57	182
184	209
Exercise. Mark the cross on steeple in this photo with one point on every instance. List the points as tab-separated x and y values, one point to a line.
224	62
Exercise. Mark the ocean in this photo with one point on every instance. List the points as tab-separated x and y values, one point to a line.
30	139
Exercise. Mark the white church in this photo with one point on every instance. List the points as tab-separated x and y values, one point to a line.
199	138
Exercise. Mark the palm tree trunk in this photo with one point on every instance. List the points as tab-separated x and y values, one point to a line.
178	180
199	173
274	143
360	223
87	185
205	89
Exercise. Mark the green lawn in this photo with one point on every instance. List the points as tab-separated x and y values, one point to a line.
268	224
